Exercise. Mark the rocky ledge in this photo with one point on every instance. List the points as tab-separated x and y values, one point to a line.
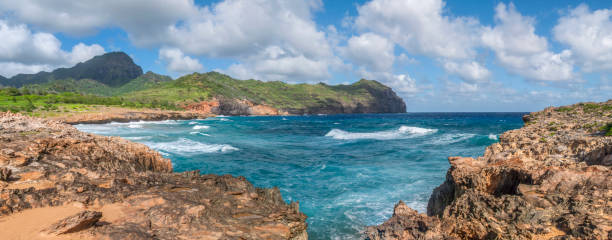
551	179
116	114
59	183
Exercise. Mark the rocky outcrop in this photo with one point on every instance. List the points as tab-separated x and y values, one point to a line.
54	165
75	223
234	107
547	180
115	114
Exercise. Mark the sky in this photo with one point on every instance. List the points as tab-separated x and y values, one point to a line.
454	55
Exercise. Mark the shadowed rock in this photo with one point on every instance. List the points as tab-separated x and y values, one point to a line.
136	186
547	180
78	222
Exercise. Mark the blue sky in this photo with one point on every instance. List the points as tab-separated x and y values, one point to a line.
438	55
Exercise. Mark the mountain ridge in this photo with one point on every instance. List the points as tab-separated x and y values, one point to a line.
216	93
113	69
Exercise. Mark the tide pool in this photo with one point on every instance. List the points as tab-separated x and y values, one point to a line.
347	171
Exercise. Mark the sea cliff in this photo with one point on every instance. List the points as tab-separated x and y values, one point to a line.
547	180
59	183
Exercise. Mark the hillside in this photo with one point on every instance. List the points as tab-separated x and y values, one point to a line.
116	75
364	96
112	69
90	86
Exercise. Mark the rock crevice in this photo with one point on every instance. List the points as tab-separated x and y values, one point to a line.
127	191
547	180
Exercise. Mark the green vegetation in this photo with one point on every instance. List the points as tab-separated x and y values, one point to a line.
198	87
565	109
89	86
113	79
111	69
607	129
24	100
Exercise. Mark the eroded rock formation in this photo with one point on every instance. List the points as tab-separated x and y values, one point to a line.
54	166
551	179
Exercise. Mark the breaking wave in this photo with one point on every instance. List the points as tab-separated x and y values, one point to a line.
452	138
188	147
196	127
492	136
401	132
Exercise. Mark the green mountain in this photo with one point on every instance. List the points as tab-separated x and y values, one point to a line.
90	86
364	96
112	69
116	75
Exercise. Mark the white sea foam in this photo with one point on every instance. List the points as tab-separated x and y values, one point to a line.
135	126
192	123
196	127
401	132
143	122
492	136
188	147
452	138
137	138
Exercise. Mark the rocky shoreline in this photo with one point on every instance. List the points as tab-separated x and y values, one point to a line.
74	185
115	114
550	179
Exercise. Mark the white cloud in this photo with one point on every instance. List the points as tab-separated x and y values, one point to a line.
140	18
24	51
177	62
521	51
276	64
237	29
403	84
589	34
420	27
82	52
468	71
372	51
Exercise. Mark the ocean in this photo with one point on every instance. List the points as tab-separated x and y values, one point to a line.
347	171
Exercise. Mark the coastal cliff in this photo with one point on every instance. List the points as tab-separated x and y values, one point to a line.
59	183
547	180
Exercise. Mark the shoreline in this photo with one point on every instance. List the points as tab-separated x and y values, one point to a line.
546	180
122	189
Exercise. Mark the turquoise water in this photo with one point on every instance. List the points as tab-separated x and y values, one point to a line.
347	171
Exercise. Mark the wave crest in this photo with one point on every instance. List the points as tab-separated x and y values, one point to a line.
196	127
401	132
188	147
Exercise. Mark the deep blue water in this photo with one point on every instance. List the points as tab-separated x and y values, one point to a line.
347	171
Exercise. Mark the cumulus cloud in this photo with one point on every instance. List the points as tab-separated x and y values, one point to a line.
372	51
24	51
244	30
177	62
589	35
469	71
521	51
420	27
403	84
142	19
273	40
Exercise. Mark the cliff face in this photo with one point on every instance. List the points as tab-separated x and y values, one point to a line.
123	190
547	180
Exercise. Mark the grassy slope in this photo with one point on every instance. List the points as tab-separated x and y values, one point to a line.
88	86
197	87
153	90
